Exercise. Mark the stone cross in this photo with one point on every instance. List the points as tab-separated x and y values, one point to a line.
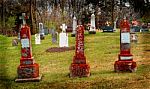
92	27
23	17
63	27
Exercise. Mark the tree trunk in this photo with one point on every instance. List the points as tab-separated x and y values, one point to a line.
112	12
32	13
3	16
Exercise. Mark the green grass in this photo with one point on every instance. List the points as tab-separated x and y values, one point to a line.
101	51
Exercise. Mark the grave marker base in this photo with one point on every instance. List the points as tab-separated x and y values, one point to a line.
92	32
124	65
73	35
79	70
37	79
28	71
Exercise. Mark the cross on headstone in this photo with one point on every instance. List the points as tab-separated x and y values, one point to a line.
63	37
23	18
63	27
28	70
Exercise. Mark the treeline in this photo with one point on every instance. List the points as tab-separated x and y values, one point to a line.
55	12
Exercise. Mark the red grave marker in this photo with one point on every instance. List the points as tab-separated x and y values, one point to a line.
125	58
27	70
79	67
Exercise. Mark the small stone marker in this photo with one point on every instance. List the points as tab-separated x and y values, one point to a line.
79	67
63	37
74	27
15	42
19	36
27	70
37	39
125	62
54	36
92	27
134	37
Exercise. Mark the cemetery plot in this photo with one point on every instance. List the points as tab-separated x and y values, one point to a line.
60	49
100	53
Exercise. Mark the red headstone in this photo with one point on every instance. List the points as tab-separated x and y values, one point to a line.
27	70
125	62
79	67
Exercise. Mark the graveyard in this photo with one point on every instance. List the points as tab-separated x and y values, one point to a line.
75	44
101	51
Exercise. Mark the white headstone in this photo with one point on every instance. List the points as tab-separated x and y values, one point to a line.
37	39
92	27
74	25
115	24
63	40
63	37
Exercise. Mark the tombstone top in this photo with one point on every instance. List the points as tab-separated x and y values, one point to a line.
41	26
92	15
74	18
63	27
23	17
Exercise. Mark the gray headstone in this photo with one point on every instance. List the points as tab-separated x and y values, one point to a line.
134	37
74	26
54	36
41	31
14	42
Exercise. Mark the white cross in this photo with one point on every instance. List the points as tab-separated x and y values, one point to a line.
63	27
23	17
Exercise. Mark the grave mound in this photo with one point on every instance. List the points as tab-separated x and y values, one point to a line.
60	49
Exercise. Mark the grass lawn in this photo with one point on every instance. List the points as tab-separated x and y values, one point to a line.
101	51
